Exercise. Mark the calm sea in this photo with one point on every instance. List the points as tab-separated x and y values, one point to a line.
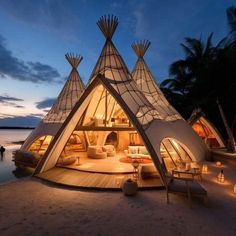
8	170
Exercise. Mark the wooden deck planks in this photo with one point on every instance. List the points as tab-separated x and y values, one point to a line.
83	179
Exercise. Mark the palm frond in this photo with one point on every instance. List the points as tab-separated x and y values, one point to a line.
231	17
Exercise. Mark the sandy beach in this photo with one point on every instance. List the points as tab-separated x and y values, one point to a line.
33	207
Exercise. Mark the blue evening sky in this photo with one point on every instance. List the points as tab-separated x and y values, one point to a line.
35	35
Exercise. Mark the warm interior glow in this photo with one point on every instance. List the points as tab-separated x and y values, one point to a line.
204	168
104	139
174	155
206	134
40	145
218	163
221	177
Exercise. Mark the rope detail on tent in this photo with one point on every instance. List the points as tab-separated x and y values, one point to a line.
69	95
143	77
141	47
74	60
107	25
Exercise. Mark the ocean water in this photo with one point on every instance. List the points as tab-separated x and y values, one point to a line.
8	170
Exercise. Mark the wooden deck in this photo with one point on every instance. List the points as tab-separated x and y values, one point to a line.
81	179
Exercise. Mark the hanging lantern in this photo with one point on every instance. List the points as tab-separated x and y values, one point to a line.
221	177
235	189
218	163
204	168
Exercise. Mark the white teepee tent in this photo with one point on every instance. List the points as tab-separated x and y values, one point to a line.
146	83
41	137
111	88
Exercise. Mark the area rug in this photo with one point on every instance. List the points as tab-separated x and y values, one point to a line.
141	160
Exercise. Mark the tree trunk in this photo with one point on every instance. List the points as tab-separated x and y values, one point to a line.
231	142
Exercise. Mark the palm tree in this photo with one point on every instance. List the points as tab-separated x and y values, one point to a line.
231	17
190	76
207	72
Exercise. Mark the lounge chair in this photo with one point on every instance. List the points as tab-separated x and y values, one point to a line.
185	186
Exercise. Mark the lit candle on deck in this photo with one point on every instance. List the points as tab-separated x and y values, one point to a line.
218	163
221	177
204	168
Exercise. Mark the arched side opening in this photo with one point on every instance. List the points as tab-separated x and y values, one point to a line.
112	139
40	145
175	154
208	133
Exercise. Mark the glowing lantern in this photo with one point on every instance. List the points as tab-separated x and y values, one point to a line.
204	168
218	163
221	177
235	188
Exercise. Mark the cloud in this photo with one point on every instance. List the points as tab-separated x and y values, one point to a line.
10	101
36	72
8	98
46	103
20	121
19	106
39	115
53	15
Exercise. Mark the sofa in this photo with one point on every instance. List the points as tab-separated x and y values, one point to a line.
99	152
96	152
67	160
138	152
110	150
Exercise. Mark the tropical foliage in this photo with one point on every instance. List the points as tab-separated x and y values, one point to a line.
205	74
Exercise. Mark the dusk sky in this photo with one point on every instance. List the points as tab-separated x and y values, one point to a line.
35	35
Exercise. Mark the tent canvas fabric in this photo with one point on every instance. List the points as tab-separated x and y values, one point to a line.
63	105
204	128
111	73
146	83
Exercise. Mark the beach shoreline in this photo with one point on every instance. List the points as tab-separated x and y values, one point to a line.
35	207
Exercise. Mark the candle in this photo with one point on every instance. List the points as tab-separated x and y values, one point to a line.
221	177
218	163
204	168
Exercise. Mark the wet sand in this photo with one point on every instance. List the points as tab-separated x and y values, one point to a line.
33	207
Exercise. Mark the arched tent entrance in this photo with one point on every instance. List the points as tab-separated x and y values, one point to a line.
175	154
112	139
206	130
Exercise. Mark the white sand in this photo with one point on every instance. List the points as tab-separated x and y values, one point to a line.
33	207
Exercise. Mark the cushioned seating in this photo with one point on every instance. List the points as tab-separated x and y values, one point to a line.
138	151
110	150
67	160
96	152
